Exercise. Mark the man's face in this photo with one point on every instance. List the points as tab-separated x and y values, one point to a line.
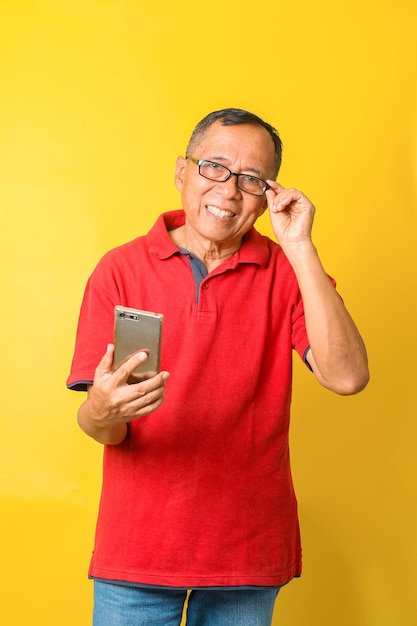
219	212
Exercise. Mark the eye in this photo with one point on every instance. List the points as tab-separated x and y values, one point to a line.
214	171
215	167
252	180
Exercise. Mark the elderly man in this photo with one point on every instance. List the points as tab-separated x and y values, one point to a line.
197	496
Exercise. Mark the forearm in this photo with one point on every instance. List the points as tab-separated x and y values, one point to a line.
110	434
338	354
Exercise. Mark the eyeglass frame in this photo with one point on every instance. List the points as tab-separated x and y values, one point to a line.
200	162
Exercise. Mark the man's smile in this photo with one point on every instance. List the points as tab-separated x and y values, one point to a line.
214	210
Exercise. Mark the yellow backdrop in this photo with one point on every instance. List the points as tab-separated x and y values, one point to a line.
98	98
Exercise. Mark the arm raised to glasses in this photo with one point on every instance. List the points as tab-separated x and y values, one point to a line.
338	355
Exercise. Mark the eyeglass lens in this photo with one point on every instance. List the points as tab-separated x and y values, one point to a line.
245	182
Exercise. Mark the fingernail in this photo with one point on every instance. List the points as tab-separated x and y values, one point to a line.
141	356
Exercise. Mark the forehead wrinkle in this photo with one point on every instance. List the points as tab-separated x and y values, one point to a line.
215	157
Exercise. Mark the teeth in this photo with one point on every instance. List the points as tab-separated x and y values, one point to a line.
219	212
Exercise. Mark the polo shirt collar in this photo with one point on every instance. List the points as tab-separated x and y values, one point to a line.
254	248
160	243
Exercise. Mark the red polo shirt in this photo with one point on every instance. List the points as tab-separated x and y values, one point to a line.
200	492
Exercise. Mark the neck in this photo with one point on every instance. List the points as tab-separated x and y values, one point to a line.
211	253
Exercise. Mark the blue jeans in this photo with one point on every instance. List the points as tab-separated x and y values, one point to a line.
120	605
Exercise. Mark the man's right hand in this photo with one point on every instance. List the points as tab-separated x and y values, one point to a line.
112	402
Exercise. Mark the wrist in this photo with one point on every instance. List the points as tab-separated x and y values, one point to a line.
111	433
299	251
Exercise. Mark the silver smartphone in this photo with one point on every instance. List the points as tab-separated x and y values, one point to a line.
136	330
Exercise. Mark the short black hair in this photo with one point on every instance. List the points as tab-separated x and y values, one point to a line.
230	117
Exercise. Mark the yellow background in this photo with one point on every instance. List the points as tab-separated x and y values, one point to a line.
97	100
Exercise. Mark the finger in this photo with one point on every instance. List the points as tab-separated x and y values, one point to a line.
150	385
277	201
275	186
106	364
148	403
286	198
274	195
150	390
155	381
125	370
270	194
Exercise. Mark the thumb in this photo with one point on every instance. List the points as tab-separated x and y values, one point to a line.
270	197
106	364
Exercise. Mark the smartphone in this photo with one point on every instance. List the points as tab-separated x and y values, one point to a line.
136	330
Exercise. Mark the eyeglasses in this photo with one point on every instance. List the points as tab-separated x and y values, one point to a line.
214	171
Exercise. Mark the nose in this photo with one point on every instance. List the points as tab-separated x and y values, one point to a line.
229	187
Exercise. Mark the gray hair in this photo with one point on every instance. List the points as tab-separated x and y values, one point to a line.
231	117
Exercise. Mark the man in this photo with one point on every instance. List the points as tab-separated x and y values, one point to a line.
197	492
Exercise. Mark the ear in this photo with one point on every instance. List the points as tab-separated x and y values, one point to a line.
179	172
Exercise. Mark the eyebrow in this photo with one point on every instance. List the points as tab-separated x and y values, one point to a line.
248	169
